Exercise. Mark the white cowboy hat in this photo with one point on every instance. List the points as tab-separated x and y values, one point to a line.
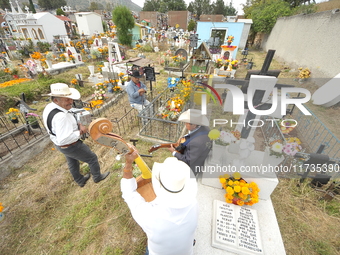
172	183
62	90
194	116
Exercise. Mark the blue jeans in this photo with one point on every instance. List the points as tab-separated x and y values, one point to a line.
146	251
81	152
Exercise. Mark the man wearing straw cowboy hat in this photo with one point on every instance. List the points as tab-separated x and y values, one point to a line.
170	220
65	133
197	144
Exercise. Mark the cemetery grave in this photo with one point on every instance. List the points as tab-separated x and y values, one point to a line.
121	110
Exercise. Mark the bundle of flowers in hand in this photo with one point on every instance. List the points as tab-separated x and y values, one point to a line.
99	91
224	138
13	114
238	191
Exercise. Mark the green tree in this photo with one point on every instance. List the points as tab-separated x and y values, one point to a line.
218	7
199	7
164	5
124	22
264	15
32	9
4	4
51	4
93	6
60	12
151	5
230	10
191	25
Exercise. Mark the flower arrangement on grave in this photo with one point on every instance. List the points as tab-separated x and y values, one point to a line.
74	82
100	68
304	73
178	59
32	118
13	114
276	148
71	58
224	138
230	39
173	109
13	82
287	126
234	64
218	63
138	47
1	213
104	51
49	55
226	64
95	53
36	55
62	57
123	78
288	147
99	91
238	191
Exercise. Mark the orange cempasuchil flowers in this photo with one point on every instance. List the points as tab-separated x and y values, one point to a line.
238	191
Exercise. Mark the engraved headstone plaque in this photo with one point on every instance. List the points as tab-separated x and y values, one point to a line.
236	229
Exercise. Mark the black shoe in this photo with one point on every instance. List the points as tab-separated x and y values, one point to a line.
102	177
85	179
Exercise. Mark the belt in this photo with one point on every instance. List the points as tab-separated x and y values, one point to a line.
68	145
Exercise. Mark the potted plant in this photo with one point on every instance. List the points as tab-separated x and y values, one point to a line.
32	119
13	115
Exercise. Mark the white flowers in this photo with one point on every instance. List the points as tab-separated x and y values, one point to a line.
227	137
277	147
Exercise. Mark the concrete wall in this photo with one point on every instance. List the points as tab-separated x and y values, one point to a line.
308	41
178	17
152	16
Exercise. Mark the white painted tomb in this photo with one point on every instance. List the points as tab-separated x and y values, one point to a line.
328	94
269	232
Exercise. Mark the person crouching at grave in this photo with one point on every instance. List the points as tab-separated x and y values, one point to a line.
170	220
65	133
194	146
136	91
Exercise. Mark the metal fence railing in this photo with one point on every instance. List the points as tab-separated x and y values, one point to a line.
16	136
153	126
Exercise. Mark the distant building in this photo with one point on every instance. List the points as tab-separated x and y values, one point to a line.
180	18
89	23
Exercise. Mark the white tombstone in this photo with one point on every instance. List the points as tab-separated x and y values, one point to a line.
72	51
114	53
328	94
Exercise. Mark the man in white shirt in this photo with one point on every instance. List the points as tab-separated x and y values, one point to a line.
65	133
170	220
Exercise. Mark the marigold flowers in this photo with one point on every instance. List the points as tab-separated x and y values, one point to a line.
238	191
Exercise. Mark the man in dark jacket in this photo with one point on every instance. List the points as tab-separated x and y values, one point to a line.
197	144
